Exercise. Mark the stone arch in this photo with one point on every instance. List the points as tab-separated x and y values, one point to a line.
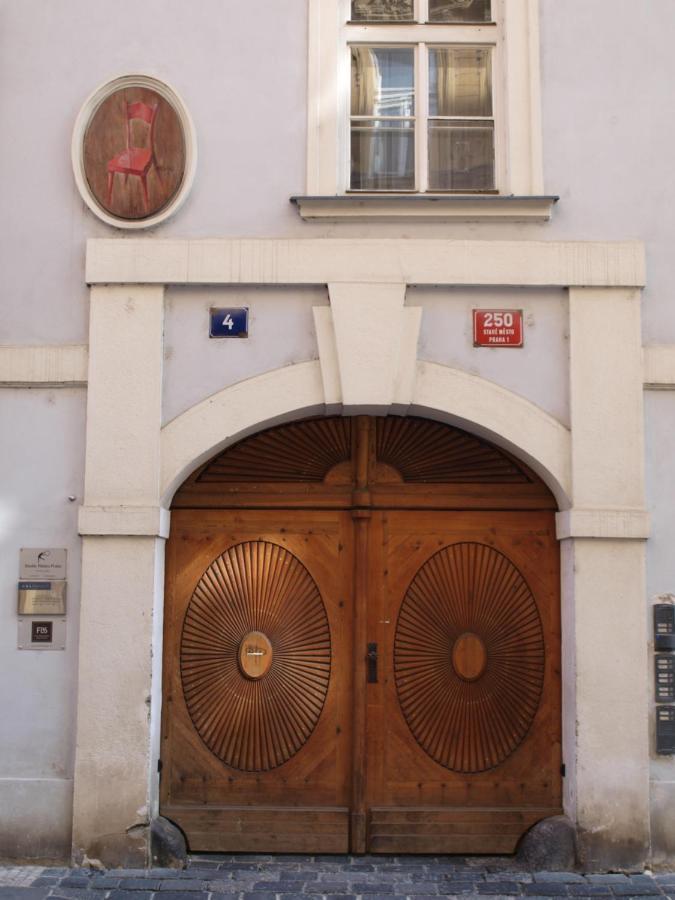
448	395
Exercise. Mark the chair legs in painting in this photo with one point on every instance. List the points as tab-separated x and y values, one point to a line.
144	182
144	185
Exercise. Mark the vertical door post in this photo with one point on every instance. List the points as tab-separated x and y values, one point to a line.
361	515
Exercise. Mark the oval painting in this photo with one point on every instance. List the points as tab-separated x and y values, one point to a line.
134	153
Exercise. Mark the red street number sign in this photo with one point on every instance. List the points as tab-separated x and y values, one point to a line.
498	328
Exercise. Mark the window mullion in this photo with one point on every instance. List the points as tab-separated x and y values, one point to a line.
421	118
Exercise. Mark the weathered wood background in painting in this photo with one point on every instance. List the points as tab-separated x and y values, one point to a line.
106	138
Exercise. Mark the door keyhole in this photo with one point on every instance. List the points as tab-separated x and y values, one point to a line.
371	658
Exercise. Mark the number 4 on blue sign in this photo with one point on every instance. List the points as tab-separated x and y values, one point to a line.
231	322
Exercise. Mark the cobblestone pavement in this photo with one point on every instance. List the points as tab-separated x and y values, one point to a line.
248	877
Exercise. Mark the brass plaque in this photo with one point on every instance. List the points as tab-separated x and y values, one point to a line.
42	598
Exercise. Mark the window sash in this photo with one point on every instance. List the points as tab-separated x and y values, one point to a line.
467	149
470	17
421	14
423	121
382	80
391	143
387	12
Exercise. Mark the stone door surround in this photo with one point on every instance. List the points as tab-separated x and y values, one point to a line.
134	465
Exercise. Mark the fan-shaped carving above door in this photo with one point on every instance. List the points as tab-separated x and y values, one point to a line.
301	451
318	457
422	451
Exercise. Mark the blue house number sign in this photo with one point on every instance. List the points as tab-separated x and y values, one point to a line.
231	322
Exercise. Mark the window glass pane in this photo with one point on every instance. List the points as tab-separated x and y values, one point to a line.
461	156
460	11
460	81
382	81
382	10
383	155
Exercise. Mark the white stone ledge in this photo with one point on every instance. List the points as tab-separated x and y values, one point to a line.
427	207
34	779
150	521
323	260
65	365
47	366
659	366
627	524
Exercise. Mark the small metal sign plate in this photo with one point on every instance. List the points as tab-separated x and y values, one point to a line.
664	677
664	626
42	598
498	328
229	322
665	730
42	562
42	634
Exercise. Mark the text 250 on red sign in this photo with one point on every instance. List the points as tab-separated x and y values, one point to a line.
498	328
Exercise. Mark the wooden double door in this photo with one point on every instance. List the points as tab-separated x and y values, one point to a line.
343	674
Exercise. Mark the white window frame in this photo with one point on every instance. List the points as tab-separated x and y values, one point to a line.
515	87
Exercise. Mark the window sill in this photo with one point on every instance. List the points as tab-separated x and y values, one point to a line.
428	207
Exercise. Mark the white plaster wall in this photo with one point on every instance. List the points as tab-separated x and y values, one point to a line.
607	75
607	70
281	332
41	457
660	428
224	58
538	371
660	484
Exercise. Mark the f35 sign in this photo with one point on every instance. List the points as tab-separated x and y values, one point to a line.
498	328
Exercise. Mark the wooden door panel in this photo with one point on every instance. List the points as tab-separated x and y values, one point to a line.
268	829
242	752
451	829
401	533
404	771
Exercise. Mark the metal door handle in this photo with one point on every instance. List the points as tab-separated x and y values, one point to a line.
371	658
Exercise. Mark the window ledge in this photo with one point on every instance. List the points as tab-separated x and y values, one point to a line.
430	207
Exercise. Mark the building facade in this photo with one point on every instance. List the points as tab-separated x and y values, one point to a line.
381	574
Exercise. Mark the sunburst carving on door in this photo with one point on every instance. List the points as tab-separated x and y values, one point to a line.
469	657
255	656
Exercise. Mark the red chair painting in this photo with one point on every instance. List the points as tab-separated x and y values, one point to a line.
136	161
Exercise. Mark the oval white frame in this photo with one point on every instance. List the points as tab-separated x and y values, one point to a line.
89	107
